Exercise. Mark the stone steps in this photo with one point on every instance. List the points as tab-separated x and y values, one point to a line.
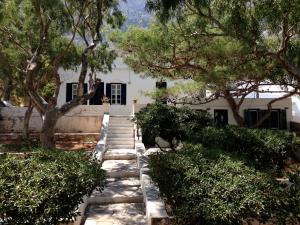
117	124
113	194
120	135
119	130
110	138
120	146
127	181
120	154
118	141
120	168
121	201
116	214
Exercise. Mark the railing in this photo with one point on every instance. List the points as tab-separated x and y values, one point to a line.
136	129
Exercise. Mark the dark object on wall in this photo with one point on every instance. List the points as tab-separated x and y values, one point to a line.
277	120
69	91
99	93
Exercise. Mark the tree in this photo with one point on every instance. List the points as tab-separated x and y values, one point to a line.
42	36
181	49
269	28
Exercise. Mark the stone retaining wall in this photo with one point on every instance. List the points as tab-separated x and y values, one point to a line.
82	119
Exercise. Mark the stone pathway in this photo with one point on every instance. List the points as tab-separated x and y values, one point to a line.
121	202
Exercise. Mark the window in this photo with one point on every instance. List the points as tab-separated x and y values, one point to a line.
161	86
71	91
275	119
253	116
74	90
116	94
221	117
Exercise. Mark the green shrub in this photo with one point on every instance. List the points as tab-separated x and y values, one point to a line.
46	186
170	123
209	187
26	145
264	148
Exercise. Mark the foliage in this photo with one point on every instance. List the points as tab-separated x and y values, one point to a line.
195	46
39	38
27	145
46	187
170	123
264	148
269	28
207	186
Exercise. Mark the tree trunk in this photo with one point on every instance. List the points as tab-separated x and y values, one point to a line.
8	87
235	108
27	117
47	134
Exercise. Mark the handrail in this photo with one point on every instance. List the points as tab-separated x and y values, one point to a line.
101	145
137	130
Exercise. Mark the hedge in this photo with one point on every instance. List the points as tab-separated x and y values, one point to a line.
46	187
210	187
173	124
264	148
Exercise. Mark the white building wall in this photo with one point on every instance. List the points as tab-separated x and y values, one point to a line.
138	86
248	104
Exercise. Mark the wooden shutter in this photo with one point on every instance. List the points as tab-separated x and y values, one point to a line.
69	92
266	123
123	94
283	119
108	92
247	117
85	91
99	93
161	85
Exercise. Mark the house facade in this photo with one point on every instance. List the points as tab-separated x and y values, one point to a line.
124	87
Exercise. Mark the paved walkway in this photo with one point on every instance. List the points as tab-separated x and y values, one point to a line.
121	202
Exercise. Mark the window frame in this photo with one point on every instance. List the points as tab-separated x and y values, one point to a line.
74	90
115	87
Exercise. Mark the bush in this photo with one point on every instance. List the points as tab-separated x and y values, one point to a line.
170	123
209	187
264	148
46	186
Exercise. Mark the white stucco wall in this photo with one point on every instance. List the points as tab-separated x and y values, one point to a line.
248	104
138	86
82	119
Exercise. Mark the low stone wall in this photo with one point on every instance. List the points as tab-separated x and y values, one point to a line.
82	119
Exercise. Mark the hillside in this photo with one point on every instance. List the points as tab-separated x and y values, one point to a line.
135	13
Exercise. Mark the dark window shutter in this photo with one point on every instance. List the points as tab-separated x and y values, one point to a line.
161	85
85	91
283	120
247	117
97	98
108	92
266	123
85	88
69	92
123	94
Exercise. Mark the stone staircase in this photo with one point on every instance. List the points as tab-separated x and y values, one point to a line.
121	202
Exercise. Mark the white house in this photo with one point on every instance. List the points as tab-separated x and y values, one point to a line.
123	86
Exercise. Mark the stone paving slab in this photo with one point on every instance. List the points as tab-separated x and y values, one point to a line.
120	154
113	190
116	214
119	165
128	181
118	146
